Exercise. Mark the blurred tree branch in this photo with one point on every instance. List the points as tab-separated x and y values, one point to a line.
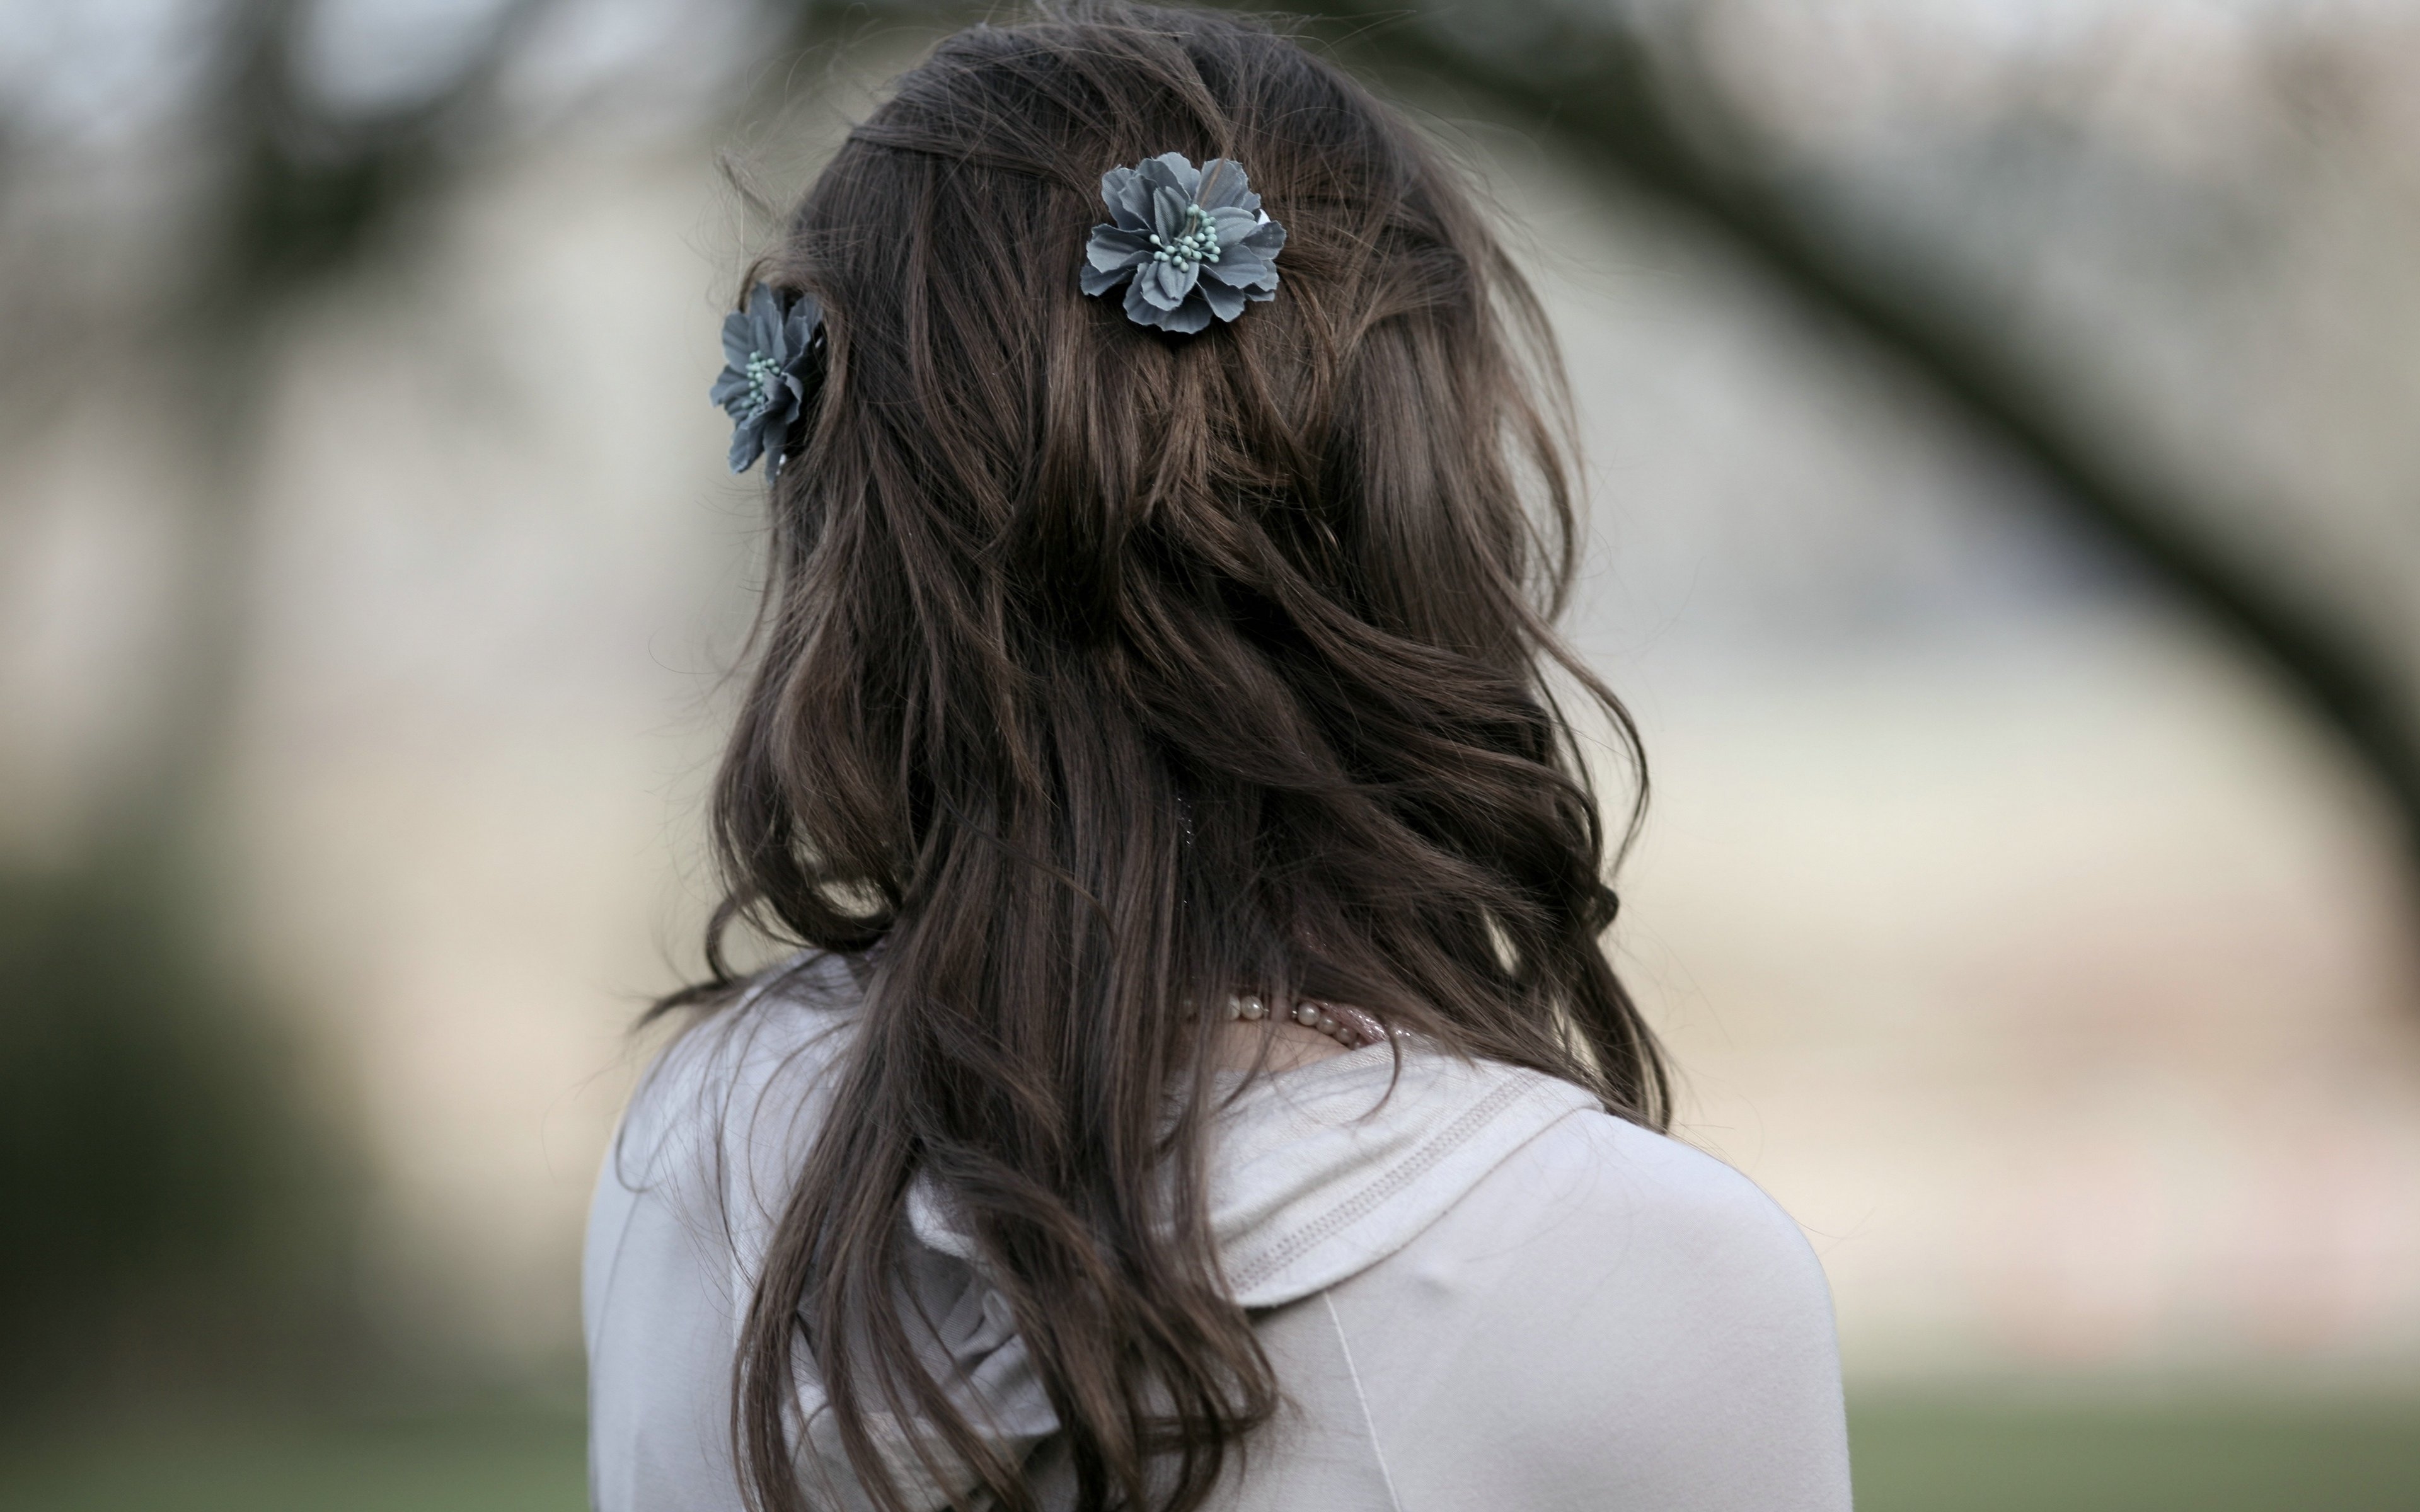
1624	97
313	184
306	191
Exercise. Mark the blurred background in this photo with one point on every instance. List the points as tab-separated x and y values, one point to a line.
2003	420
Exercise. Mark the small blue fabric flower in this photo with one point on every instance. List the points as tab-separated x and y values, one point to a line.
1188	242
769	369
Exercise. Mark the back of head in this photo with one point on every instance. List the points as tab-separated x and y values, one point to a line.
1106	672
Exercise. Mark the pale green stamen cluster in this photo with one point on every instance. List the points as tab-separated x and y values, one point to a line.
762	373
1198	244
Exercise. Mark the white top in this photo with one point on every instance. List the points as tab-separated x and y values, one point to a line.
1478	1291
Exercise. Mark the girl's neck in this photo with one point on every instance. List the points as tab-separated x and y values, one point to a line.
1237	1045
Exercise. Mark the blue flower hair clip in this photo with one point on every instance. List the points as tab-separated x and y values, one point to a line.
771	350
1188	242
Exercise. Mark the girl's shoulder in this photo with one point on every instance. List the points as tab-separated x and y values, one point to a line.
1597	1212
737	1094
1595	1174
788	1017
1610	1316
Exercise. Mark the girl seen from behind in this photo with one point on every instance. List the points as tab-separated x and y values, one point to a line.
1199	1080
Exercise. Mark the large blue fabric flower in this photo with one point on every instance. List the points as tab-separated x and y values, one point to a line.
1188	243
769	370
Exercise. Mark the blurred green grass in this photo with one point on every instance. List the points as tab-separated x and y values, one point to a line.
1943	1454
515	1460
1959	1453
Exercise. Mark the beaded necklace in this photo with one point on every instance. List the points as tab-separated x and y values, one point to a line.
1347	1026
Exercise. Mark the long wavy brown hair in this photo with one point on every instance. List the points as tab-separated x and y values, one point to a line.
1102	673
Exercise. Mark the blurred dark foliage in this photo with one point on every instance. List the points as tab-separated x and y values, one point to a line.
173	1208
310	187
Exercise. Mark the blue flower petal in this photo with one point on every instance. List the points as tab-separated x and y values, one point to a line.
1268	239
734	339
1226	304
1234	226
798	332
1128	199
1186	319
764	320
747	444
1166	284
1168	217
1170	170
1242	270
1139	310
1224	187
1115	247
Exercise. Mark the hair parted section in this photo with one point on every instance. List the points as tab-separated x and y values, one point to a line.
1103	673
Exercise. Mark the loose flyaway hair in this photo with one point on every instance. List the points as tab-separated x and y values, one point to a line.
1104	672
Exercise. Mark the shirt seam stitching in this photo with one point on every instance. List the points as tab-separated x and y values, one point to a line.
1274	1258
